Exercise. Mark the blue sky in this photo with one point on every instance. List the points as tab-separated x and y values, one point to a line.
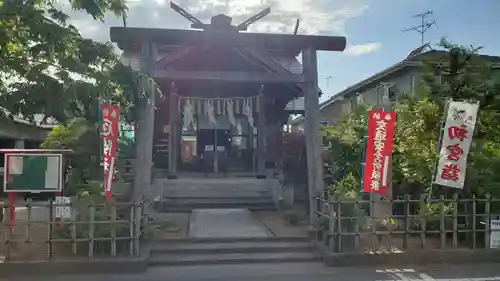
463	22
372	27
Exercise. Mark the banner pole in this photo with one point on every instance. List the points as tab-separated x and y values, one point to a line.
363	163
438	151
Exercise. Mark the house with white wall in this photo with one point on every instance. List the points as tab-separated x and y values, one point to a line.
402	78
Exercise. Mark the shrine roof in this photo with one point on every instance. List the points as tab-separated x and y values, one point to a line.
130	39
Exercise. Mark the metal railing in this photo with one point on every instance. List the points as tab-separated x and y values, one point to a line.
46	230
420	224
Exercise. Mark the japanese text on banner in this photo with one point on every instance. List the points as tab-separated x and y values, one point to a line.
455	143
378	151
109	132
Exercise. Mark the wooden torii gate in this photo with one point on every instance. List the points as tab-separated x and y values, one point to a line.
148	41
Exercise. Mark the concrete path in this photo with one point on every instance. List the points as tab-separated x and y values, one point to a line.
225	223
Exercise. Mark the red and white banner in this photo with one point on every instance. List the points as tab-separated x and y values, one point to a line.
110	116
378	151
455	143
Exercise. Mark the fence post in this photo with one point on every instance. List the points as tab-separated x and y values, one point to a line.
113	229
407	221
331	237
455	220
373	223
487	210
474	221
137	233
339	225
358	225
51	228
73	237
131	230
29	203
8	232
423	223
91	230
442	230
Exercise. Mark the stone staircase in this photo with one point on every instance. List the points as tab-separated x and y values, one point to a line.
206	251
184	195
222	229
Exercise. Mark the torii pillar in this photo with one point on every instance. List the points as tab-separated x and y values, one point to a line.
314	145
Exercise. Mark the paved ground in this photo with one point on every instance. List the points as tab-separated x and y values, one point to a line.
276	223
294	272
225	223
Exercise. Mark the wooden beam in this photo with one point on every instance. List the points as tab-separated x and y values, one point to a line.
230	76
312	133
129	37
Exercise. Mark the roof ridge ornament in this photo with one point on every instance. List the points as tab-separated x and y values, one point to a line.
219	22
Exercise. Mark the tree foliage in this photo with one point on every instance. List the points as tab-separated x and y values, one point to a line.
460	74
80	136
47	67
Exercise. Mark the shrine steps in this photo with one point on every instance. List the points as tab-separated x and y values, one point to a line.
216	251
184	195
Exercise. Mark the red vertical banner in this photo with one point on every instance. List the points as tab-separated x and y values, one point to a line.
110	116
378	152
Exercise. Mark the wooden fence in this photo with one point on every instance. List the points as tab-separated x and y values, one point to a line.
420	224
46	230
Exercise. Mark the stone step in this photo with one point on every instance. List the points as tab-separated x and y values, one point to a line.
216	193
232	247
211	184
195	240
189	206
228	199
231	258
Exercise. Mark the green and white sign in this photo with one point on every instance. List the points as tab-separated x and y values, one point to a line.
33	172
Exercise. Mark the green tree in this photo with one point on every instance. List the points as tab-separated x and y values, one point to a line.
345	141
461	74
47	67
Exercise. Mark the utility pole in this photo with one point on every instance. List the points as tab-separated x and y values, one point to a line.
423	26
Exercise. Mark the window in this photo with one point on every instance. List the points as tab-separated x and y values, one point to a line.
392	93
352	105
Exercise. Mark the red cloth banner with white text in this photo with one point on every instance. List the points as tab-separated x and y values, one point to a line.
378	151
110	116
455	143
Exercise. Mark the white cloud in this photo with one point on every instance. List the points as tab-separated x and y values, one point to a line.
316	16
361	49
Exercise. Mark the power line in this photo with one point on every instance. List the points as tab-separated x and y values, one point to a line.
423	26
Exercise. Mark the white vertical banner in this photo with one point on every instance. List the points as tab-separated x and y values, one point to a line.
456	140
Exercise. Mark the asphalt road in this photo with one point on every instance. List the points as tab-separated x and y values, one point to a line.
294	272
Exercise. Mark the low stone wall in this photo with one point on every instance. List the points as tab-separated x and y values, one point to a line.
76	266
422	257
